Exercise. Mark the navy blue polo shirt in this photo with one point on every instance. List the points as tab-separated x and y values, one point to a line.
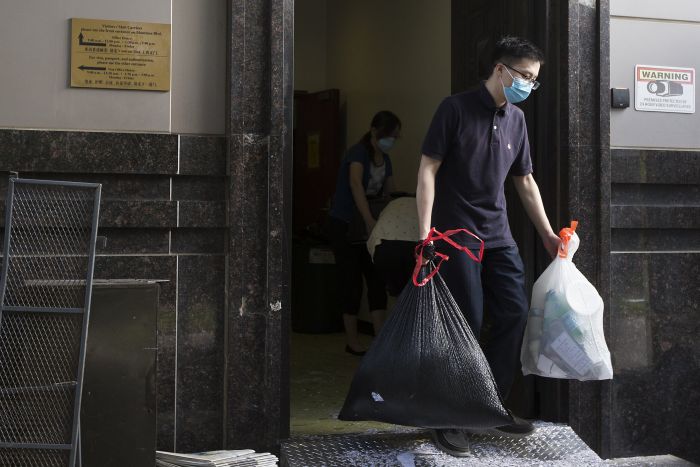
479	145
343	205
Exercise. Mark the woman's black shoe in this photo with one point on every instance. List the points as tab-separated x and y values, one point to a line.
358	353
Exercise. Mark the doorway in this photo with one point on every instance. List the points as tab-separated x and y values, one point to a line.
354	58
351	61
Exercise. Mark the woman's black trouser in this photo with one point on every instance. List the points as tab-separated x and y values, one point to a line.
352	263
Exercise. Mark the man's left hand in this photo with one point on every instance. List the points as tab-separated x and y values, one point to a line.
551	244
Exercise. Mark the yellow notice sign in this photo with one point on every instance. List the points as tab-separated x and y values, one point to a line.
120	55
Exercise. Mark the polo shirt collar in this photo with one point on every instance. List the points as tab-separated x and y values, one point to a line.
488	102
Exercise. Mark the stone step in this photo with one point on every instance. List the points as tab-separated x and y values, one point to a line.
651	461
551	444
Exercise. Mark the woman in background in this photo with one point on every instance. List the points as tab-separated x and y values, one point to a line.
366	171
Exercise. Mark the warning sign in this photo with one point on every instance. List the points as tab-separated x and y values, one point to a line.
120	55
664	89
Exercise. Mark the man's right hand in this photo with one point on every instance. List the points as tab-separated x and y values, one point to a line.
428	253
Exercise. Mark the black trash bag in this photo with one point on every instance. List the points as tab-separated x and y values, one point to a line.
426	368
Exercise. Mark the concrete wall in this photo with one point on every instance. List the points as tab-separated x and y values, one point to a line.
393	54
199	66
34	90
680	10
653	33
310	47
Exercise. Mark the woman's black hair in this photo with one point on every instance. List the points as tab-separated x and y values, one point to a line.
511	49
385	122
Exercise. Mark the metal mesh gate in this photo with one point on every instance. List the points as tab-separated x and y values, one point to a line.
45	289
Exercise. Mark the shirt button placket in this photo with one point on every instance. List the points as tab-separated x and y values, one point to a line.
494	128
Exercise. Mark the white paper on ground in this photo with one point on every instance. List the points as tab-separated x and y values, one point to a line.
407	459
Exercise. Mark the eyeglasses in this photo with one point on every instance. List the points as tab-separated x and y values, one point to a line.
535	84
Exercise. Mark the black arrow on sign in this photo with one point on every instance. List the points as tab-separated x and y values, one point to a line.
96	68
93	44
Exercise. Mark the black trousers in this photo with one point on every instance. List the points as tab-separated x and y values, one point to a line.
497	284
352	263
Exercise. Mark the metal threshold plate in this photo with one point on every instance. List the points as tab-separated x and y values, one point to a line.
551	445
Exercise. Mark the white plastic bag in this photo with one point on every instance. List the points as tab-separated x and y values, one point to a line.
564	334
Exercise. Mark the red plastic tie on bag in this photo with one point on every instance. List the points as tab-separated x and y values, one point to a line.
565	235
433	236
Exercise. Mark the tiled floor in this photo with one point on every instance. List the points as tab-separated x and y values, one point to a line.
321	372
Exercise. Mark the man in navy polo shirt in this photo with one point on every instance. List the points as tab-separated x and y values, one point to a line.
477	139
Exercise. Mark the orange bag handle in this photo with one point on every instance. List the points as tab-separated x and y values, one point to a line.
565	235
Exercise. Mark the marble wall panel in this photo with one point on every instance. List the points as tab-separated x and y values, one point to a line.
138	214
203	241
282	71
656	194
248	209
670	217
655	239
200	350
202	155
132	187
199	188
656	354
207	214
248	417
133	241
655	166
87	152
132	214
250	80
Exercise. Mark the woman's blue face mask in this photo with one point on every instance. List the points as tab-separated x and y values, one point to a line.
518	91
385	144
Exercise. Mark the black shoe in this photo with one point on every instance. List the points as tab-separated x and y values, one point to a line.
520	428
358	353
452	442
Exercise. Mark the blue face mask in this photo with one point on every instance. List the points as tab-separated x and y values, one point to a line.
385	144
518	91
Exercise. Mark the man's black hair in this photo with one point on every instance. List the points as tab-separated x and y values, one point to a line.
511	49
